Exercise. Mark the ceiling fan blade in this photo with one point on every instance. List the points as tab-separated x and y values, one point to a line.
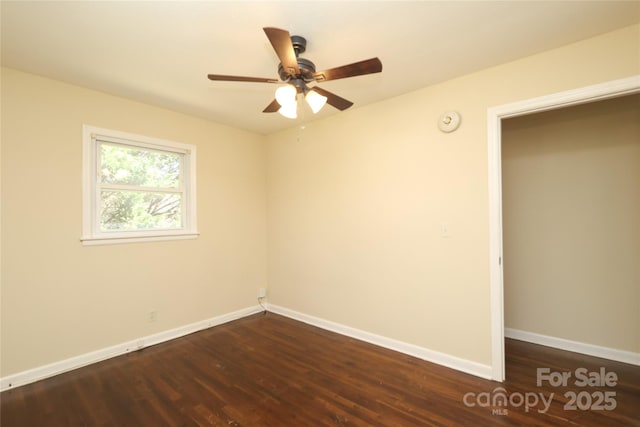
221	77
368	66
281	42
333	99
272	108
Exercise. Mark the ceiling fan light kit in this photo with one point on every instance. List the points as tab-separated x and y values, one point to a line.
286	95
297	72
289	111
315	100
287	98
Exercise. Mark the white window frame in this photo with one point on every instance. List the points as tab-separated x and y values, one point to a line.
91	234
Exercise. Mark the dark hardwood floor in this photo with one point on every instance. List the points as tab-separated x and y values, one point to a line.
267	370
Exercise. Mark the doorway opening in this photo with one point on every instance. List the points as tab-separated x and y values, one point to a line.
495	116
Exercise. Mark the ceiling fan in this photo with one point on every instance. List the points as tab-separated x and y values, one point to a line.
298	72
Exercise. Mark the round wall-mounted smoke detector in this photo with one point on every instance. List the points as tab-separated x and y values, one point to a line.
449	121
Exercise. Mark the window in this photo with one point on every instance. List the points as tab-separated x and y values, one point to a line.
137	188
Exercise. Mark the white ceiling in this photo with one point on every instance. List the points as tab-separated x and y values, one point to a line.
161	52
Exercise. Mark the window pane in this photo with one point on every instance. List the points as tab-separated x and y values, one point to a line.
137	166
140	210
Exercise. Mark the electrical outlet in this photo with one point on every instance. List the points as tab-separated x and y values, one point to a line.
262	292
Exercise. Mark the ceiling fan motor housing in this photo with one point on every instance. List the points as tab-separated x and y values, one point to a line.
307	68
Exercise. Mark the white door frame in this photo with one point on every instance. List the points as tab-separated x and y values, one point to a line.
495	115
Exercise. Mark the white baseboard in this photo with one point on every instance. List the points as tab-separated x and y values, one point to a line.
467	366
578	347
46	371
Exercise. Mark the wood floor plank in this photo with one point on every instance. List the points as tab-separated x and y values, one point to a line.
267	370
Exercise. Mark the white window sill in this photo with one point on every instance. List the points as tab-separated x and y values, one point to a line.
116	240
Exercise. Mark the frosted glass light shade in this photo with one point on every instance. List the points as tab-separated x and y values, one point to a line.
289	111
286	95
315	100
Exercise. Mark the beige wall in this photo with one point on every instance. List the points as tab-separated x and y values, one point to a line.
571	219
356	202
61	299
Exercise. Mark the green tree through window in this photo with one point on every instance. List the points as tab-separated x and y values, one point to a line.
139	188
